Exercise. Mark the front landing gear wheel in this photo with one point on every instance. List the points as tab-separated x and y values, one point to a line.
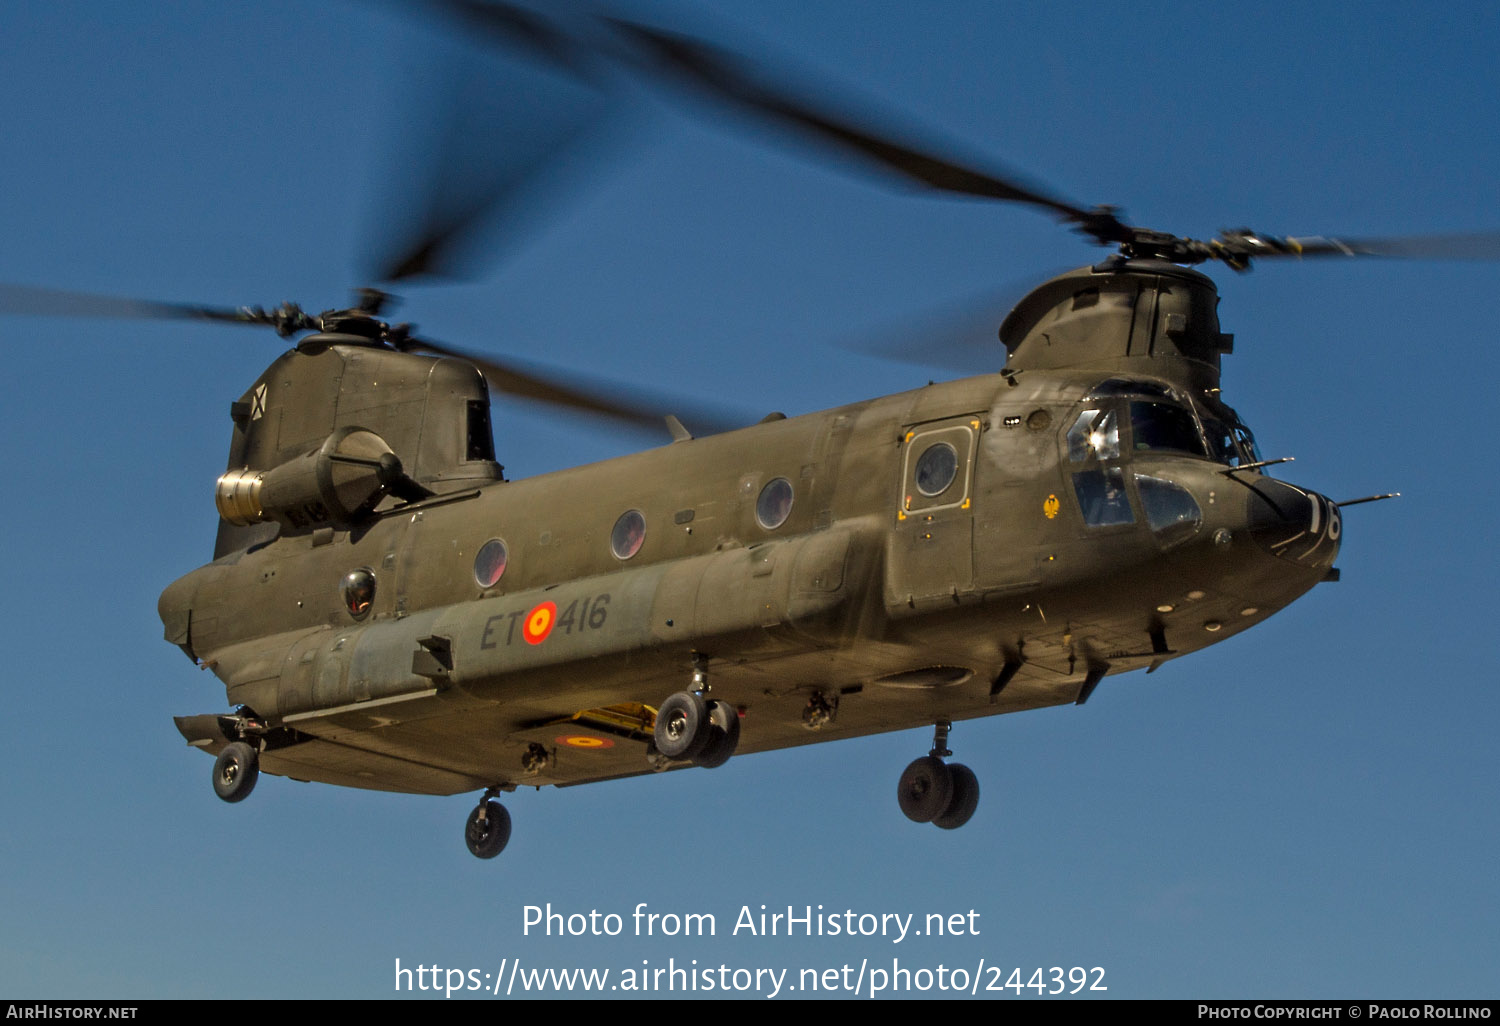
965	798
925	790
724	734
235	771
683	728
488	830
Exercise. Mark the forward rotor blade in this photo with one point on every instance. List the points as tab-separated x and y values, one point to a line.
586	46
726	78
517	28
629	405
962	334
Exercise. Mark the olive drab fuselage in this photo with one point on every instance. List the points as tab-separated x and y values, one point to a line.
973	547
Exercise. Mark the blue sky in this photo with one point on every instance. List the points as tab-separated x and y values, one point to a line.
1308	809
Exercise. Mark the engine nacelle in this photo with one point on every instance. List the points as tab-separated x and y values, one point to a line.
338	483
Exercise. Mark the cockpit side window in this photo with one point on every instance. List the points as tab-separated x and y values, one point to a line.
1221	444
1246	442
1229	441
1094	439
1094	435
1102	497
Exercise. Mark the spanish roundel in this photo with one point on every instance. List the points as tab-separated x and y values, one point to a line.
539	623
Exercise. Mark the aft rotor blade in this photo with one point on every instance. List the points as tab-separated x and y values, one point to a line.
491	139
26	300
467	192
1475	246
624	404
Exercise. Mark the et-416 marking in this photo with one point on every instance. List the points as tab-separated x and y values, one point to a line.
537	623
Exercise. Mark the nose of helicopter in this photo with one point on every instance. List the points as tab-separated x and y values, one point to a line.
1294	524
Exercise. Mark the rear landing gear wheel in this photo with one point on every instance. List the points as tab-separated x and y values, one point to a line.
723	734
965	798
925	790
488	830
683	728
235	771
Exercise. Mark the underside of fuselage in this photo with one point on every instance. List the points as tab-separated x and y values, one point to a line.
849	669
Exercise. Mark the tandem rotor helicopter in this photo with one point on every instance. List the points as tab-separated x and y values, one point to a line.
387	612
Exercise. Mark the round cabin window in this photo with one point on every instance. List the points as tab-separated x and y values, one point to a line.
774	504
489	564
936	469
358	589
630	531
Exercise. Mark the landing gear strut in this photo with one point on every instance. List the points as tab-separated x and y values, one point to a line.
933	791
488	830
690	726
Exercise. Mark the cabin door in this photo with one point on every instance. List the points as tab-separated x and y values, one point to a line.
931	555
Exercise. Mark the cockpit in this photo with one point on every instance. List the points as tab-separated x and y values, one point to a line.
1160	419
1124	422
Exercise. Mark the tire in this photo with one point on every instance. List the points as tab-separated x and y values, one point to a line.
925	789
682	726
965	798
724	735
235	771
488	839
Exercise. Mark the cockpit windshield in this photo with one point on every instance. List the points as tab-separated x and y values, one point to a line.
1164	427
1162	419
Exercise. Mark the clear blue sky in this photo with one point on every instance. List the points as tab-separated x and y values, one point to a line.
1308	809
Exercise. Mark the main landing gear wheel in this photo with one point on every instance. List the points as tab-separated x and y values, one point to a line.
723	734
683	727
965	798
931	791
690	727
488	829
925	790
235	771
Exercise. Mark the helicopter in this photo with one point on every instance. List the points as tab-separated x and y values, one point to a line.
920	559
